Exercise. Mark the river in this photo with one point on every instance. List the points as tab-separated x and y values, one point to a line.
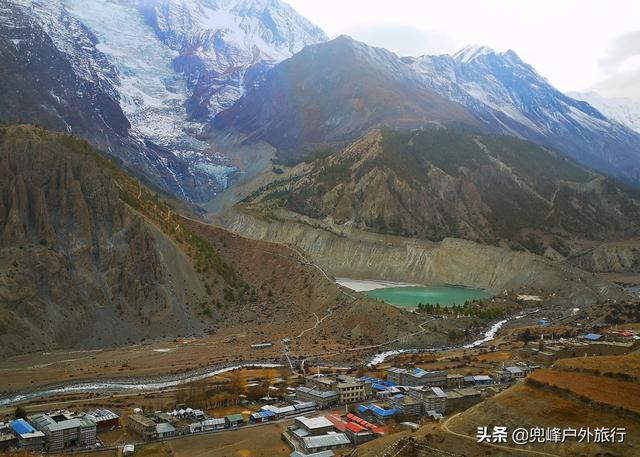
487	336
123	386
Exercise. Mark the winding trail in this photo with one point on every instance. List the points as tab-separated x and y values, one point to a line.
315	326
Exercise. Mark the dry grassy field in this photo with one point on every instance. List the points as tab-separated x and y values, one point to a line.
625	367
527	406
601	389
567	398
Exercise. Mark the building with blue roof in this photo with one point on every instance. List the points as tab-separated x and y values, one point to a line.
29	438
379	387
262	416
592	336
379	381
383	412
22	427
380	413
417	377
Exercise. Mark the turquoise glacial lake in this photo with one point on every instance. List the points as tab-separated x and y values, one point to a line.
410	297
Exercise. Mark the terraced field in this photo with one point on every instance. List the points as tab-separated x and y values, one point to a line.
601	389
600	395
622	367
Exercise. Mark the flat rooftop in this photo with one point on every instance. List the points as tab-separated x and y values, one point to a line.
314	423
328	440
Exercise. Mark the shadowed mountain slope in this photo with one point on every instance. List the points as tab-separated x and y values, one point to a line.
439	183
333	92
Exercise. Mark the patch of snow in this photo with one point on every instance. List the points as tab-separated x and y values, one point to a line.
360	285
472	52
229	36
152	94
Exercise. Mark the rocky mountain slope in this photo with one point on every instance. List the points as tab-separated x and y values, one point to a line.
353	253
90	258
56	76
44	82
611	257
79	267
331	93
439	183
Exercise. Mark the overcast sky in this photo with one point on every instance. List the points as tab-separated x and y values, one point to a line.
576	44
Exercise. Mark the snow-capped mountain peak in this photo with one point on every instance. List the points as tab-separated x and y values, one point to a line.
472	52
218	41
149	74
511	97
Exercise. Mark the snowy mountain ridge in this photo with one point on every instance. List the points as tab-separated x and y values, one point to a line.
624	110
219	42
471	52
511	97
141	79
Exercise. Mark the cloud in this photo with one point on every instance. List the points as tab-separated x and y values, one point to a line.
403	39
623	84
621	64
621	49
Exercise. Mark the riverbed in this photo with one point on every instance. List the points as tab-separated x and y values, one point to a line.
487	336
124	386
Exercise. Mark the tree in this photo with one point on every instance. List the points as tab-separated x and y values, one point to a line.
237	385
20	413
526	336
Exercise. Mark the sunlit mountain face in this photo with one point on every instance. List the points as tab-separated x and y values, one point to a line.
163	68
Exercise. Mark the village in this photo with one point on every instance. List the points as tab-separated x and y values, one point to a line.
324	411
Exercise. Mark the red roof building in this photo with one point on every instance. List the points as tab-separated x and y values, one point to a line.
355	428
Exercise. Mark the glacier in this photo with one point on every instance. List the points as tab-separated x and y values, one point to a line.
152	94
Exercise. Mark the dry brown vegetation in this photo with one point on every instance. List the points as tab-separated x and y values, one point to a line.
622	367
261	441
567	397
525	405
600	389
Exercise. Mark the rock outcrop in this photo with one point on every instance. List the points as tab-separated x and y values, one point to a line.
79	266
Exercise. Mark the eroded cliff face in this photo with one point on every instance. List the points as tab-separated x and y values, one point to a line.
613	257
357	254
78	266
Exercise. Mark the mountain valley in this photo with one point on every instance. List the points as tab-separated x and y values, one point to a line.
206	205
